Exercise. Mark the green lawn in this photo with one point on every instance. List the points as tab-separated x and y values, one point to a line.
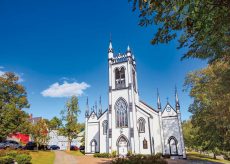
75	153
198	156
40	157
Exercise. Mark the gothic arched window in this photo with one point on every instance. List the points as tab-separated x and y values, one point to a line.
105	127
121	113
120	78
141	122
145	144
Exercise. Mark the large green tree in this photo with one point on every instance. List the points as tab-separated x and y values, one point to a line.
55	123
70	127
13	98
202	26
210	109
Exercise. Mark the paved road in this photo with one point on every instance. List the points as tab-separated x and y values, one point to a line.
62	157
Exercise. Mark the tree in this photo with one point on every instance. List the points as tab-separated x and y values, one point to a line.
209	88
190	135
70	115
39	132
202	25
13	98
55	123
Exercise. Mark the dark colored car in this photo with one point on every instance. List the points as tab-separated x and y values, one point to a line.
33	146
82	148
72	147
54	147
10	144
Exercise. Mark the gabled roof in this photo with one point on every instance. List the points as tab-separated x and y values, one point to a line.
170	106
148	106
102	113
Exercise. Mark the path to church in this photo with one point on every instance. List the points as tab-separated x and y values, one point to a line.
62	157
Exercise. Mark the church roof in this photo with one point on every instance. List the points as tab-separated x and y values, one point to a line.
148	106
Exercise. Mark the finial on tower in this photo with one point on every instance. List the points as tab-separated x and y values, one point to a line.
100	107
158	101
87	108
177	99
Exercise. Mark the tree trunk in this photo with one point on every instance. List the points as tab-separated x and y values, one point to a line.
68	144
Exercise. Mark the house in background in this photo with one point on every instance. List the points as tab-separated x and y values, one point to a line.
24	138
61	141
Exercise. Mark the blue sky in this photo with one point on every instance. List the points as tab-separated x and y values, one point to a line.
65	42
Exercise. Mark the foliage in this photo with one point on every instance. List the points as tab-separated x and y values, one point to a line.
190	135
23	159
70	115
203	25
6	160
13	98
129	153
114	153
140	159
102	155
20	156
210	91
39	132
55	123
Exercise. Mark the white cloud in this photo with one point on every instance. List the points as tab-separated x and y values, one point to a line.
65	90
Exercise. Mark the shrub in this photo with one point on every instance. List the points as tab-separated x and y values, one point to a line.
6	160
114	154
102	155
143	159
129	153
23	158
159	155
166	156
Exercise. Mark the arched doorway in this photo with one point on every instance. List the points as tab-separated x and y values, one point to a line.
122	146
173	146
93	146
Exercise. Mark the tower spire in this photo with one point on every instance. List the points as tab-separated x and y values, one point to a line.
110	50
87	108
158	101
96	107
100	107
177	99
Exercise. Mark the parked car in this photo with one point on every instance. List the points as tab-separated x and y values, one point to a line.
82	148
10	144
72	147
33	146
54	147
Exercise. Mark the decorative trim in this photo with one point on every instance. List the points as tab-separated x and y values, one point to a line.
131	132
120	88
110	108
110	133
130	107
130	85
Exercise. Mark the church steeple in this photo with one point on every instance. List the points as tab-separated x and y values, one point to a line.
158	101
110	50
100	107
177	99
87	108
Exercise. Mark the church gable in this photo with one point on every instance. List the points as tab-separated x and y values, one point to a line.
169	111
92	117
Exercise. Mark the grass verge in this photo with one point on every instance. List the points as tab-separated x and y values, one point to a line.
198	156
40	157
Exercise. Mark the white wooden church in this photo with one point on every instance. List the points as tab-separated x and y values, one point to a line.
129	124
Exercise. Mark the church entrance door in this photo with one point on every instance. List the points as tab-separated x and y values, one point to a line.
122	146
93	146
173	146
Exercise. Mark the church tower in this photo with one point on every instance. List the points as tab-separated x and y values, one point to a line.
123	93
